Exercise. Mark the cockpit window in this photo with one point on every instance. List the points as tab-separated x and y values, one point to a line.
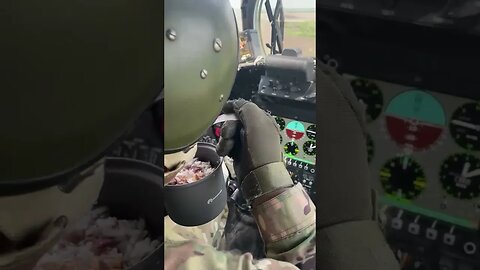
295	24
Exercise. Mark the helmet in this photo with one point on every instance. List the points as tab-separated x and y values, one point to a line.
74	76
201	61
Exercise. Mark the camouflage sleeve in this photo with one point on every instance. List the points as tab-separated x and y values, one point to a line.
287	225
194	256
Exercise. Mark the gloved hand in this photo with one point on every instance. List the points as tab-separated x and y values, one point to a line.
254	144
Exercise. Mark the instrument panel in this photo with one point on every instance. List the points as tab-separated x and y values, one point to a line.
423	150
299	150
298	140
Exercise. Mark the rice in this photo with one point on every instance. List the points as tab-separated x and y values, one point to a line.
192	172
100	242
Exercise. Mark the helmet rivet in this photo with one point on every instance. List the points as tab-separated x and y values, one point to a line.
221	98
217	45
203	73
171	34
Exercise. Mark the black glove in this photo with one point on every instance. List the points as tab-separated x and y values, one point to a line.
253	143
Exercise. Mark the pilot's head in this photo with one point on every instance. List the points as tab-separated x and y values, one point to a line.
201	61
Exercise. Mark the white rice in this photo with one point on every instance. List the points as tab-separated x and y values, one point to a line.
100	242
192	172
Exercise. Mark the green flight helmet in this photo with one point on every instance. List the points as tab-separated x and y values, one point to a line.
201	61
74	77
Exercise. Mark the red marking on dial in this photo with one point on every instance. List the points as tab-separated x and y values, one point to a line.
296	135
420	135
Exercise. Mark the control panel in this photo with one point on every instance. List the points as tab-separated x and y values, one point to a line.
423	151
299	147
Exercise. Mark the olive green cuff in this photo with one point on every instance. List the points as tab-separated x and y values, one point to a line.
264	180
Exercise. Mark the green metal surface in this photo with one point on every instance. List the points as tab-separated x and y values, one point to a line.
74	76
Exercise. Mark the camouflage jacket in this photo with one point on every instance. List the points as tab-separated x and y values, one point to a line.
286	223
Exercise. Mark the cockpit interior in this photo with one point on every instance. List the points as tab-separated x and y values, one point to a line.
414	65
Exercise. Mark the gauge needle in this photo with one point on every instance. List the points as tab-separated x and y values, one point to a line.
466	168
472	173
405	163
466	125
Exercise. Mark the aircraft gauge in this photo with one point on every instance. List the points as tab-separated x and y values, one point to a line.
415	119
291	148
465	126
403	177
309	148
311	132
295	130
280	122
369	94
460	176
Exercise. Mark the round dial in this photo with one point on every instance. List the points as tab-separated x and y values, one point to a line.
280	122
465	126
291	148
370	148
415	119
311	132
295	130
369	94
460	176
403	177
309	148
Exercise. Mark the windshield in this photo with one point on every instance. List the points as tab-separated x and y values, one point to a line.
298	18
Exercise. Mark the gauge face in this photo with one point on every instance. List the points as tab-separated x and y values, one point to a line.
465	126
415	119
370	148
280	122
309	148
311	132
460	176
295	130
403	177
369	94
291	148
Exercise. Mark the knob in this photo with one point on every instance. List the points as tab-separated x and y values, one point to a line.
414	228
470	248
397	222
449	239
431	234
